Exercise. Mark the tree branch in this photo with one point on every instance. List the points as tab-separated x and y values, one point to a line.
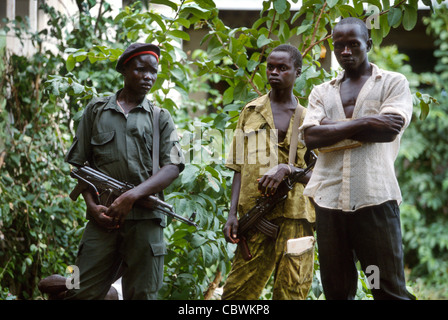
394	6
313	43
305	52
213	285
99	16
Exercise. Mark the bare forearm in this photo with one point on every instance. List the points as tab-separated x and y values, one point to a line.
89	198
331	132
377	128
157	183
236	185
231	227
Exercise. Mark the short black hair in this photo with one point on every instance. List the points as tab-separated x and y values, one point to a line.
357	21
295	54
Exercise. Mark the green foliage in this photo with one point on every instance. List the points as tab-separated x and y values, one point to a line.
422	164
195	257
38	222
41	227
424	170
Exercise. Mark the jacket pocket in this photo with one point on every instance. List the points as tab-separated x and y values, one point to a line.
158	249
104	147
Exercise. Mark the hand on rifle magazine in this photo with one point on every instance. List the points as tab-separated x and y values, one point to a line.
275	186
269	183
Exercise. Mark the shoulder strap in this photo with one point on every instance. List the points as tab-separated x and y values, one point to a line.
295	134
155	141
156	146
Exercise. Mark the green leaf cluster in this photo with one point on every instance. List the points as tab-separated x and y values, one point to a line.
422	164
38	222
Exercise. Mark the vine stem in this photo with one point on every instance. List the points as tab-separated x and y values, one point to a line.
213	285
313	43
177	14
394	6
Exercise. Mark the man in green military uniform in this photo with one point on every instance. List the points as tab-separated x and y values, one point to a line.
264	132
115	137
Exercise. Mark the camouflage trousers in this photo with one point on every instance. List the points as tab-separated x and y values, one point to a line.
292	274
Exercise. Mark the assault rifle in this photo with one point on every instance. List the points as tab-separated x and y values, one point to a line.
109	189
254	218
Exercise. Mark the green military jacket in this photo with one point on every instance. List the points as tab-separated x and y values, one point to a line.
120	145
255	149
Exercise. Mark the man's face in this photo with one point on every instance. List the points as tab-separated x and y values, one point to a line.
280	70
140	73
350	46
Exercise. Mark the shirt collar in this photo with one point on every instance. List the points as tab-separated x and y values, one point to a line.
259	102
112	103
262	105
377	73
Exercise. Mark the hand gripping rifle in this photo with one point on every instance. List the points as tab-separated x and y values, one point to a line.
254	218
105	186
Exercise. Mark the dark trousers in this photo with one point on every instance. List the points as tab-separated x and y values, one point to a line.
371	235
138	246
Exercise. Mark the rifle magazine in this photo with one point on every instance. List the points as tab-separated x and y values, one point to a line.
268	228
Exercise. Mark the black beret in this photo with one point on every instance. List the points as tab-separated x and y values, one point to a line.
132	50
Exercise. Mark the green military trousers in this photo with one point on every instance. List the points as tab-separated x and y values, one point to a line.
293	275
138	245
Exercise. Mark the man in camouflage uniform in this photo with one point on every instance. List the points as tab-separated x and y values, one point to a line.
264	133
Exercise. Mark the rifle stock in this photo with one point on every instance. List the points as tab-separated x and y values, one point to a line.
102	185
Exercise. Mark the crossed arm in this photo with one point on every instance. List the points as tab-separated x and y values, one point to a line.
376	128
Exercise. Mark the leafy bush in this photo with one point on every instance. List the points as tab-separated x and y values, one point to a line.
422	166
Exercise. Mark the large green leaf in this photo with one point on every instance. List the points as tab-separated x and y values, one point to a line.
409	17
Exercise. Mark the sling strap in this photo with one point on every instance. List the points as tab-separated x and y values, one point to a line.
156	146
295	134
155	140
